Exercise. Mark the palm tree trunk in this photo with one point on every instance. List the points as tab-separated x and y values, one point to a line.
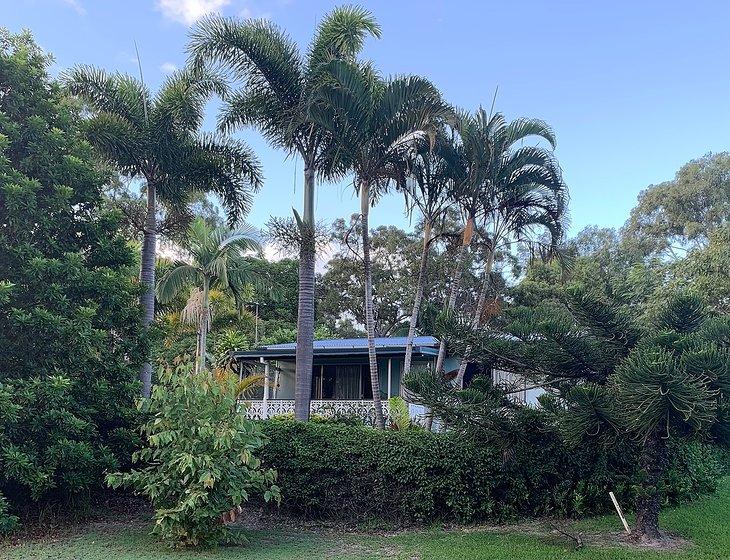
481	304
418	298
456	284
203	327
305	313
369	308
147	279
648	500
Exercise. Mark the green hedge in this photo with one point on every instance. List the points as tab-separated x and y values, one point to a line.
336	471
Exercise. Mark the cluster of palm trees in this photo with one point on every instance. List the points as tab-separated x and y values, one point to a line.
342	118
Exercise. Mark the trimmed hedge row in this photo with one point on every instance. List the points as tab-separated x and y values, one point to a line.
337	471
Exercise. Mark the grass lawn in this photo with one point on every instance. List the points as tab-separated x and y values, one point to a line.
706	523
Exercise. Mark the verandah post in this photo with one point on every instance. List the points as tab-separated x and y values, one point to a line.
265	405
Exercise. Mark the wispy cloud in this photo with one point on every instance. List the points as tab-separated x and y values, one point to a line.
189	11
168	67
248	13
75	6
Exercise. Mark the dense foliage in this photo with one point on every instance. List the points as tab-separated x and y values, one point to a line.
199	460
332	470
69	322
652	374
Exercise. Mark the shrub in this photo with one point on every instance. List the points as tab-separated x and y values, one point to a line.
199	459
70	345
8	522
338	471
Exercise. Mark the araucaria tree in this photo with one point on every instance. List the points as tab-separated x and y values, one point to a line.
378	124
217	260
69	323
609	375
278	87
156	139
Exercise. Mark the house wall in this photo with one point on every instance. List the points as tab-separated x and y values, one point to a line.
515	382
285	388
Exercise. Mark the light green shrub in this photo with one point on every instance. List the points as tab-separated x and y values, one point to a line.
199	461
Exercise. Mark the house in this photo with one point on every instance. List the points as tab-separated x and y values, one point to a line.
340	375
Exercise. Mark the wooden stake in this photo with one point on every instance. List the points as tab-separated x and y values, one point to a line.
620	513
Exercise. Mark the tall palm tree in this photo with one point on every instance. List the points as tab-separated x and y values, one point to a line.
523	197
156	139
467	190
510	189
278	85
217	261
377	124
429	191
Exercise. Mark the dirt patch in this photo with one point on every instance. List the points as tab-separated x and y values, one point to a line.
107	515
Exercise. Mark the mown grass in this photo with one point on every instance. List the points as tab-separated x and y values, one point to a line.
706	523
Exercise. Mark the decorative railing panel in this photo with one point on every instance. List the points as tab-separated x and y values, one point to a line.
364	409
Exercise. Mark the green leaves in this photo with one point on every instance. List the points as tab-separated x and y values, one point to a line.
199	461
69	321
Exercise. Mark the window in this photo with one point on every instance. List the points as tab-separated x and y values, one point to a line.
341	382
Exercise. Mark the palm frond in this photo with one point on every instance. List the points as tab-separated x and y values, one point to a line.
182	275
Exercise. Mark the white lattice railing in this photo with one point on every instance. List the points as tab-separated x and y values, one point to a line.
260	410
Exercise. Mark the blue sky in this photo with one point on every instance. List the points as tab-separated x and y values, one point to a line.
633	89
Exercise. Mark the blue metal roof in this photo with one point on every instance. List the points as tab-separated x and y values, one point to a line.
359	343
345	347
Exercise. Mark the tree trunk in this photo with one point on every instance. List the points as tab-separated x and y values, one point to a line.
369	307
418	298
654	457
203	326
481	303
305	313
456	284
147	279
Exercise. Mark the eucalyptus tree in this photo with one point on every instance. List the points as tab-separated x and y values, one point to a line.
155	138
277	88
523	197
428	190
378	123
217	261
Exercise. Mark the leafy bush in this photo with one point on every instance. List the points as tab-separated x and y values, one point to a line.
199	461
70	344
337	471
8	522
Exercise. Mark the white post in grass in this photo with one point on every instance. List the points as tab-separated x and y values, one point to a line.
265	406
620	513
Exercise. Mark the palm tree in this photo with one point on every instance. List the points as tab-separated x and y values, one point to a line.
155	138
467	190
377	124
278	86
523	196
217	260
429	190
511	190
